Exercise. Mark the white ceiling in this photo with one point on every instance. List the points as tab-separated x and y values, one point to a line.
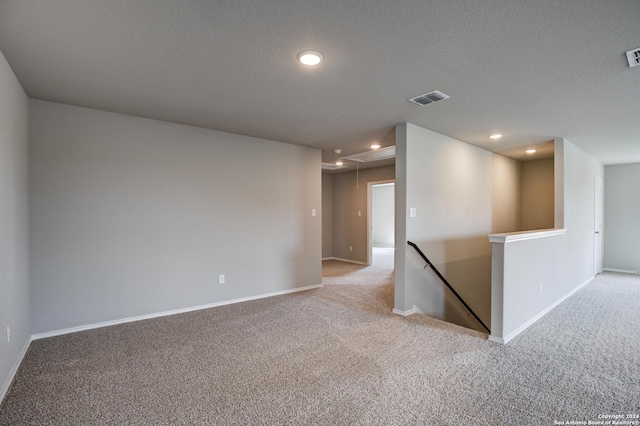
531	70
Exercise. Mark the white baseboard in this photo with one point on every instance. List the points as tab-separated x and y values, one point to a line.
527	324
348	261
14	370
404	313
167	313
497	339
624	271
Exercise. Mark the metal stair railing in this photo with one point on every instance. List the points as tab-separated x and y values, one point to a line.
444	280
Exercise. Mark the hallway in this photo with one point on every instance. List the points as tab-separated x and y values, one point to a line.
363	285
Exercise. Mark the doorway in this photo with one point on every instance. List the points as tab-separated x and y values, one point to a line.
381	220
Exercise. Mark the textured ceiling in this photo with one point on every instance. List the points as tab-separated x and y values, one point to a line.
532	70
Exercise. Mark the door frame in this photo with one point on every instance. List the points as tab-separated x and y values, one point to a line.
598	218
370	186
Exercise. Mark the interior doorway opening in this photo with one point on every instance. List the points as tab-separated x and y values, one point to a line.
381	218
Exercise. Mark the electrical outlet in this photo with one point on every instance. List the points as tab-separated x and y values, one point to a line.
540	288
221	279
8	334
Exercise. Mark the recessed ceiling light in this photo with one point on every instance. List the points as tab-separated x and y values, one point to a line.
339	163
530	151
310	57
374	146
496	136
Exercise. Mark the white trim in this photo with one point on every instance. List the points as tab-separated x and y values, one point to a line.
370	185
526	325
404	313
14	370
347	260
327	258
524	235
623	271
167	313
598	249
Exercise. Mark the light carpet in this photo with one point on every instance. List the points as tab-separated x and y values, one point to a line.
337	356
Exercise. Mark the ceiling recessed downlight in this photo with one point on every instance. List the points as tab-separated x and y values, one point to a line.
530	151
310	57
374	146
496	136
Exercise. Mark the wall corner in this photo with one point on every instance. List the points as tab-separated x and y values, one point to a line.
400	290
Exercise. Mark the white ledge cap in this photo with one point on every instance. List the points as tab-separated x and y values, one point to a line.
510	237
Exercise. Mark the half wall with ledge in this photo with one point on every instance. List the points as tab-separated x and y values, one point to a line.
524	273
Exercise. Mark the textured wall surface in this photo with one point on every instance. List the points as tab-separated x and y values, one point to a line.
622	221
14	249
327	215
537	194
461	194
133	216
349	199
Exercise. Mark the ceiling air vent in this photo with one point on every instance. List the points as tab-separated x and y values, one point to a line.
633	56
429	98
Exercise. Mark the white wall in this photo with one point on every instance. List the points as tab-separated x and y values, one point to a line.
132	216
461	194
560	264
14	250
622	217
382	211
579	171
525	281
537	194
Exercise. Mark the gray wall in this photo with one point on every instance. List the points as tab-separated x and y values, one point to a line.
383	222
537	194
327	215
14	250
461	194
349	198
622	217
133	216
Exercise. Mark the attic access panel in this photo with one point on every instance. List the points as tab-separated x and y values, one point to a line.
378	154
331	166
